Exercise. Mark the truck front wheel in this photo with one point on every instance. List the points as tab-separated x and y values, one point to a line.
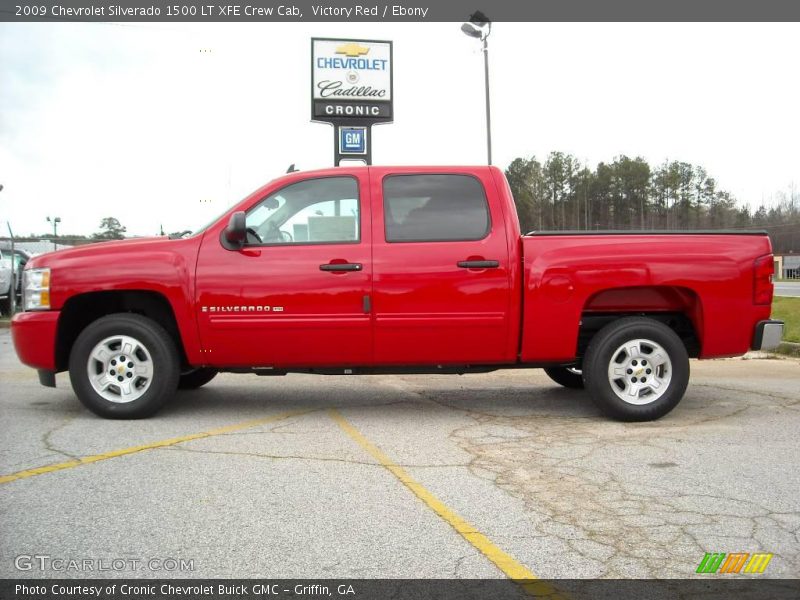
124	366
636	369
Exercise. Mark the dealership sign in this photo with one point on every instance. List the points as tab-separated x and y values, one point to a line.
351	81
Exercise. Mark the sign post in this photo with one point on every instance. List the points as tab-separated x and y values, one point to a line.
351	88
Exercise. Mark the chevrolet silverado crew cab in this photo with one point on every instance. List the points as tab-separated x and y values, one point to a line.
394	270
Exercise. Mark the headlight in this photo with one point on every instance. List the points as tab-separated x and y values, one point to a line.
36	289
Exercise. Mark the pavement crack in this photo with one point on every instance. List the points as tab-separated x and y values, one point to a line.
774	396
457	566
618	526
47	435
309	458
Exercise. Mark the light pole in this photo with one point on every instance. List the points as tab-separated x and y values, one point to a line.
479	26
55	221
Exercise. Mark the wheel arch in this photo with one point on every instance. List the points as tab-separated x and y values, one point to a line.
81	310
680	308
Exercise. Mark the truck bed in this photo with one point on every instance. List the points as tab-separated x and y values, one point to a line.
570	276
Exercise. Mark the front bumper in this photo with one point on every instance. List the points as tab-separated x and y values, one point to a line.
768	335
34	337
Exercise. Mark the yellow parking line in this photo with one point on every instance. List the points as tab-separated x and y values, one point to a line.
134	449
512	568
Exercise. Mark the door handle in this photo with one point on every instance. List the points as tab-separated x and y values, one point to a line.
341	267
478	264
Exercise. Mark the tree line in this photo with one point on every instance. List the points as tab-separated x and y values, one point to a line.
563	194
110	229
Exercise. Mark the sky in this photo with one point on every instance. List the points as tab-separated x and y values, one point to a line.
134	121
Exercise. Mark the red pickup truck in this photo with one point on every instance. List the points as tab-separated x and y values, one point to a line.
387	270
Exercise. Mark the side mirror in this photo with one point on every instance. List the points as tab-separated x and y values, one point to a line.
235	234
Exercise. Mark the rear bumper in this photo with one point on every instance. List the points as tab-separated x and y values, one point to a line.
34	336
768	335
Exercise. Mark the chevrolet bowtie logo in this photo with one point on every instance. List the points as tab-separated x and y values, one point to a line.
352	49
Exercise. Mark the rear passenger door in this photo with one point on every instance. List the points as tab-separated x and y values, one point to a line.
441	286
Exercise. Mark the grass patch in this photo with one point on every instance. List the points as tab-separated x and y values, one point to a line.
788	311
788	349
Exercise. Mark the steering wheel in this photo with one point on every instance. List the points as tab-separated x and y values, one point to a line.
252	236
275	235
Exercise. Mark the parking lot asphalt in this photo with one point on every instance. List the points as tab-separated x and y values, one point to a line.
402	477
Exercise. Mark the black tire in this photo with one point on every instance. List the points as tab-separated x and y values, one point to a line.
569	378
603	349
196	378
163	365
5	307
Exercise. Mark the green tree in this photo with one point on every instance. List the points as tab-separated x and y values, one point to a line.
110	229
602	197
520	179
581	188
632	191
559	175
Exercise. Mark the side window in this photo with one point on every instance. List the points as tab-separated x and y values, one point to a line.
315	211
434	208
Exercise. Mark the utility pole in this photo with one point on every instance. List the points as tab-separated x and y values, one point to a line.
55	221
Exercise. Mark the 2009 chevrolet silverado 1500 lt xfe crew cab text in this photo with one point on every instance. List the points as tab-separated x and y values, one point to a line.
386	270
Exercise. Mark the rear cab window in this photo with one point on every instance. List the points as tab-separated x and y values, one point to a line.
434	208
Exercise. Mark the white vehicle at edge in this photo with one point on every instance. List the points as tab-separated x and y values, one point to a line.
21	258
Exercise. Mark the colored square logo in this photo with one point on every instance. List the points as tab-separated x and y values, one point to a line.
352	140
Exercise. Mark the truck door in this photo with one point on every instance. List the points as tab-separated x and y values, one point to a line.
441	267
297	294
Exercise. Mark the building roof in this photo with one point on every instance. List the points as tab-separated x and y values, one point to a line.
33	247
791	262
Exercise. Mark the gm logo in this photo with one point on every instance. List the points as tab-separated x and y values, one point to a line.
719	562
352	140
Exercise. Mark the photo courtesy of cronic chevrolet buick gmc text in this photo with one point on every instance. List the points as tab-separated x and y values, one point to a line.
394	269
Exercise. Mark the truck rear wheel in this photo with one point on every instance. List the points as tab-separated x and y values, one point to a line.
636	369
124	366
569	377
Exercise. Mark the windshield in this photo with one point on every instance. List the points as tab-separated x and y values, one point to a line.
199	230
206	225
